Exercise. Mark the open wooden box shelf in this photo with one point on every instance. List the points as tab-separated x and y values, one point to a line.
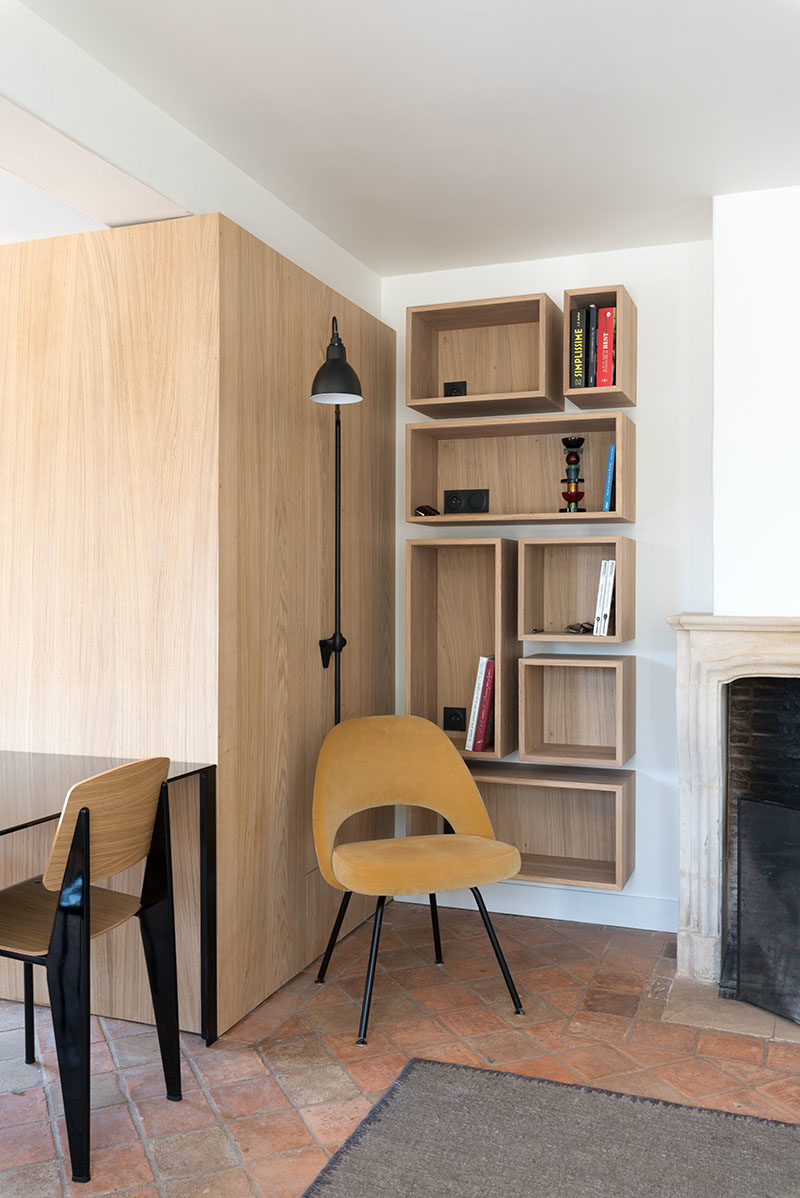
623	392
520	459
558	579
507	351
460	597
573	827
577	709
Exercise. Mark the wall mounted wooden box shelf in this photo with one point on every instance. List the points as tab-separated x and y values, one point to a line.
573	827
577	709
507	351
557	586
623	392
521	461
460	598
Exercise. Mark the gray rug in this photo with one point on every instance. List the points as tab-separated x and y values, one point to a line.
450	1130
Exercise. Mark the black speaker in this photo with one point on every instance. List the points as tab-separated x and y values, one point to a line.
466	503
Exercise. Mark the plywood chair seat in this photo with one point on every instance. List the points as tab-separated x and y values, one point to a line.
28	909
423	864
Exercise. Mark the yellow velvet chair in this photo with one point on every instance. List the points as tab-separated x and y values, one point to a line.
379	761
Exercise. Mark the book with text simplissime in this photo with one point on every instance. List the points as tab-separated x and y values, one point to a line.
472	722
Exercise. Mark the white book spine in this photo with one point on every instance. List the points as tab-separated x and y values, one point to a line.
601	588
476	702
612	566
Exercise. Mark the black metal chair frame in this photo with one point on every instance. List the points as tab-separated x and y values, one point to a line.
67	962
437	945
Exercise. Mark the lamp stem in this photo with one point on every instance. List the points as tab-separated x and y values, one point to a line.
337	549
332	646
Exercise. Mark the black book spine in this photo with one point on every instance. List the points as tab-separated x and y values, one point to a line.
591	346
577	348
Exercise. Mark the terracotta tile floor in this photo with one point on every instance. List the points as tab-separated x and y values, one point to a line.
265	1106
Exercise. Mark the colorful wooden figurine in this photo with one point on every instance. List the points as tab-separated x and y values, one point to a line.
572	496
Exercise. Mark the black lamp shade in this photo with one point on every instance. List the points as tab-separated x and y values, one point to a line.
336	382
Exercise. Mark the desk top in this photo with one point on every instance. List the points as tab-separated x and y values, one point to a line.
33	786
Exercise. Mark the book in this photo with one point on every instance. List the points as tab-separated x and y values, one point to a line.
476	702
610	466
608	598
577	347
591	345
601	586
482	740
606	338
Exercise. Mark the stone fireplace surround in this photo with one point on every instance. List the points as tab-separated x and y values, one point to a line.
713	651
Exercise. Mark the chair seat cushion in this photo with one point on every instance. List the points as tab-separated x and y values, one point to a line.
423	864
28	909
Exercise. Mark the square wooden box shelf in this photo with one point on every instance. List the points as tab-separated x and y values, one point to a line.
558	579
623	393
573	827
577	709
520	459
507	351
460	600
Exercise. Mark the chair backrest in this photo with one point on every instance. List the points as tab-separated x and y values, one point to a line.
381	760
122	809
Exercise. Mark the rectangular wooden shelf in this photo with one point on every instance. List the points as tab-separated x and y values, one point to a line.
521	461
507	351
577	709
460	599
623	393
557	585
573	827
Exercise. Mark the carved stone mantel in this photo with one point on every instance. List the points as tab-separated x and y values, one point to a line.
713	651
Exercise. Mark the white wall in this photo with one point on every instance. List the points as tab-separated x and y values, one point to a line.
671	286
756	403
49	76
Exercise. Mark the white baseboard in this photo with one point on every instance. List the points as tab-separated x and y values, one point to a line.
559	902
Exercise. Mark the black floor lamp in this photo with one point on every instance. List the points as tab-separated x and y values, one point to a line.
336	383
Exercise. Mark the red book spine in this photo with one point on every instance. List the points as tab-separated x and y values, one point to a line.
605	347
487	698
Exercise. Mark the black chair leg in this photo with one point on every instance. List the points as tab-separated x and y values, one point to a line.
498	952
437	940
27	974
337	924
157	927
68	987
373	957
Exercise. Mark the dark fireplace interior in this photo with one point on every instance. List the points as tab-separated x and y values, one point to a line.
762	884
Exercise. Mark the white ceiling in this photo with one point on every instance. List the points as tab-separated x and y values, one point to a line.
428	134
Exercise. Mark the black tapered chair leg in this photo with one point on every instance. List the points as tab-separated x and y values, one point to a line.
27	975
157	927
337	925
68	988
158	940
437	940
373	958
498	952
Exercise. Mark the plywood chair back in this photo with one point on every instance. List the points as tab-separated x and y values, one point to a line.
122	809
383	760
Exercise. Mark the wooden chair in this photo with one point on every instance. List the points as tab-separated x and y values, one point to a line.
378	761
108	823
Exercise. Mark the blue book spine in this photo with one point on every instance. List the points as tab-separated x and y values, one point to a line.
612	453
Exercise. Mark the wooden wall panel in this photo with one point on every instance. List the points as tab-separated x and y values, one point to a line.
276	598
108	485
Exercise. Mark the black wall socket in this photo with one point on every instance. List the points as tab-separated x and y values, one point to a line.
453	389
455	719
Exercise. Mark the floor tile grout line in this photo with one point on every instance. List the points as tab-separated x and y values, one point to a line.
136	1117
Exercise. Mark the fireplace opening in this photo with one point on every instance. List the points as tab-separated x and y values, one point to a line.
761	896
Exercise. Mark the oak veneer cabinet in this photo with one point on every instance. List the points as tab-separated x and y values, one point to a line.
166	530
558	581
623	392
